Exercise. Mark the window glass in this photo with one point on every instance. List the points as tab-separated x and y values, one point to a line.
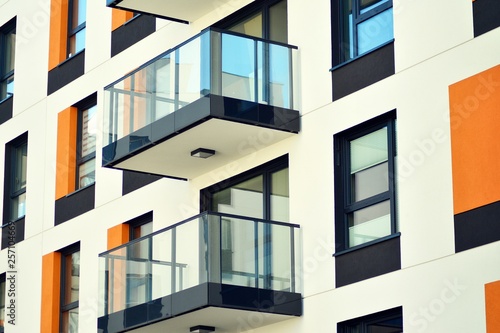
375	31
87	135
278	22
70	292
251	26
369	223
10	50
77	42
367	5
280	196
7	59
270	22
18	190
79	13
369	167
76	33
245	198
363	26
89	131
21	162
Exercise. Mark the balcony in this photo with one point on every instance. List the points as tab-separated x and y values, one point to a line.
224	271
228	93
180	10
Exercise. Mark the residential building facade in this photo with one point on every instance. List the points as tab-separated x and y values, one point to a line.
250	166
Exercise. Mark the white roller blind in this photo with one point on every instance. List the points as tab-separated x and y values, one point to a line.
368	150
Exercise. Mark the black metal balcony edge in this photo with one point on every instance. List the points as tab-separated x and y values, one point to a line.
206	108
200	297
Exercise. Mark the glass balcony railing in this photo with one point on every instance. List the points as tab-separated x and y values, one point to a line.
210	248
212	63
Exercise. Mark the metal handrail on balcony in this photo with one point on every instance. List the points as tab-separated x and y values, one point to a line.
213	62
207	248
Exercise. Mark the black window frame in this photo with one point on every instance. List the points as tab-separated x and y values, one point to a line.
147	280
248	12
7	29
266	170
83	106
342	176
67	251
357	18
10	168
139	222
72	32
363	322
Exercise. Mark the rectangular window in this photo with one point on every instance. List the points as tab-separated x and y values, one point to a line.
15	175
7	57
365	196
389	321
363	26
87	129
139	286
261	193
70	288
77	18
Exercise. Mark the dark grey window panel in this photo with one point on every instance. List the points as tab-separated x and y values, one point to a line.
363	71
131	32
18	233
367	262
477	227
6	107
74	204
132	181
486	15
66	72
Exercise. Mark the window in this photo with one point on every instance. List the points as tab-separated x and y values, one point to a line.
364	180
139	285
389	321
7	56
261	193
76	26
266	20
87	129
364	25
70	288
18	165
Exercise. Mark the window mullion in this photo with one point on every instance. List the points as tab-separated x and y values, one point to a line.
355	11
391	144
378	198
373	12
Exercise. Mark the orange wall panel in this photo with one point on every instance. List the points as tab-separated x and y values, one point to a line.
66	151
118	235
58	32
51	284
475	137
492	300
119	17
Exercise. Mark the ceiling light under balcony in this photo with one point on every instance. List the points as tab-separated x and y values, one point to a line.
203	153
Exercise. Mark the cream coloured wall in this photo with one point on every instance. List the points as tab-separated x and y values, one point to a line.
433	49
